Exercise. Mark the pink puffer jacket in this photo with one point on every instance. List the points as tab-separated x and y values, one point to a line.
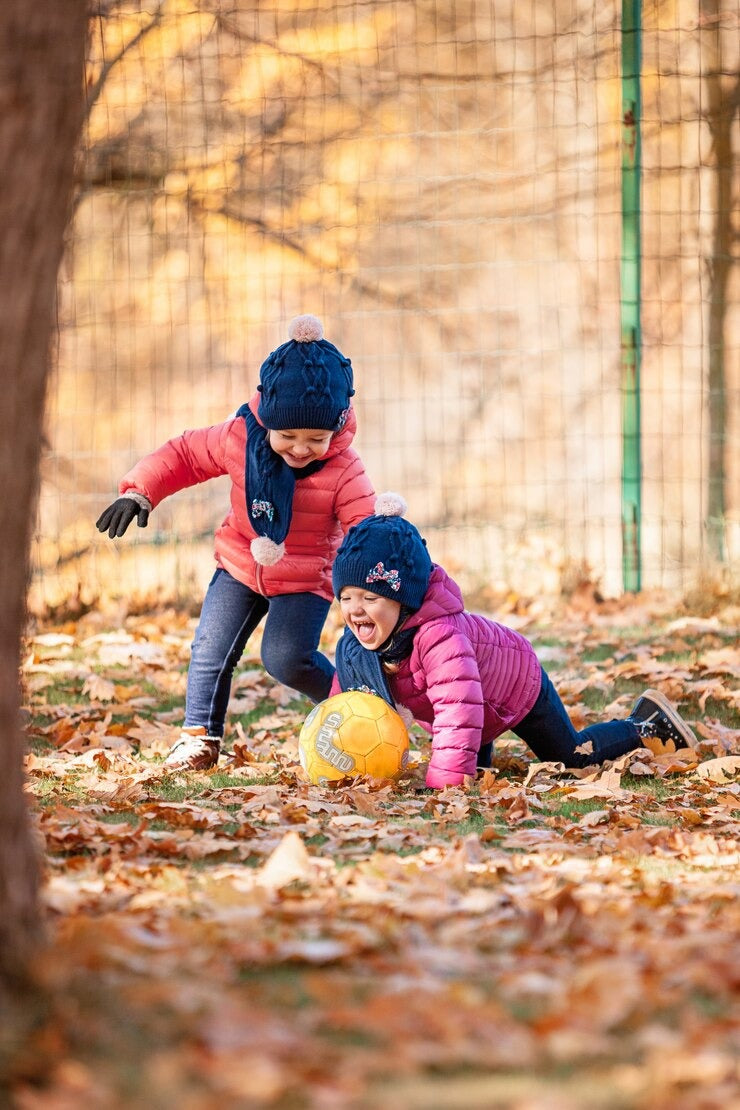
325	504
467	680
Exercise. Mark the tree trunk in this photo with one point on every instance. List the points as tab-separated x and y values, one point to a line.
41	109
722	103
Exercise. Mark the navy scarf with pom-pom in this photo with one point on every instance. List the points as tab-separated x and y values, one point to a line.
269	483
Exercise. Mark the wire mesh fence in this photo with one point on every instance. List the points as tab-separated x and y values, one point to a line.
440	183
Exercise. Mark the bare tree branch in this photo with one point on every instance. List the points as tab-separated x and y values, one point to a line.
93	91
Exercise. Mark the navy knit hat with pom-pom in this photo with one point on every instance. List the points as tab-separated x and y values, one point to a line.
385	555
306	382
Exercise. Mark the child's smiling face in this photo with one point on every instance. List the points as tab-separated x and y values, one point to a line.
372	618
299	446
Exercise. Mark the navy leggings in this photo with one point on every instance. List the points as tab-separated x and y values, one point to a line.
548	731
230	614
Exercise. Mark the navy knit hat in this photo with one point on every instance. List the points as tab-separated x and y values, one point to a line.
384	554
306	382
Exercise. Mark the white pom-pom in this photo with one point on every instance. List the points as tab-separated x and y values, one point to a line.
266	552
390	504
306	329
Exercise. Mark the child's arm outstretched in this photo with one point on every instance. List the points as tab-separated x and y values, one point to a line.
188	459
454	690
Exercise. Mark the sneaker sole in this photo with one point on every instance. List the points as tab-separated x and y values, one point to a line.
673	716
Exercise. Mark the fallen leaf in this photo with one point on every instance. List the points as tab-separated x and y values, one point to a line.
720	770
289	861
608	785
98	688
594	817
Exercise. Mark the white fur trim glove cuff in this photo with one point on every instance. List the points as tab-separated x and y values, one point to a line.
142	501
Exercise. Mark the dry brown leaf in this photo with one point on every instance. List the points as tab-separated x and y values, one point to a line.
121	792
181	814
519	810
594	817
720	770
98	688
539	770
607	785
712	729
640	768
289	862
676	763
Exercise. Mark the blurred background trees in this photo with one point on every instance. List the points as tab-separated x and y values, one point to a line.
440	183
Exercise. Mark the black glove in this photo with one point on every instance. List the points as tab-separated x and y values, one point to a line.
117	517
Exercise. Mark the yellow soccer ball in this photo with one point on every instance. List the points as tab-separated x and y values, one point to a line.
353	734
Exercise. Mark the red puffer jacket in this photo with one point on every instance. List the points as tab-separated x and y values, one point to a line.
468	679
325	504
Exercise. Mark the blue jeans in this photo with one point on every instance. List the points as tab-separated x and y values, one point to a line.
551	736
230	614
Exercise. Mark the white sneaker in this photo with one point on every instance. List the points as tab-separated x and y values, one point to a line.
194	751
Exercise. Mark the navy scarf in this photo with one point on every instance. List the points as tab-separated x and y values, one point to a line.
360	669
269	482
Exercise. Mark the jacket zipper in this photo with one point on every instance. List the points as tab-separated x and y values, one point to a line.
258	579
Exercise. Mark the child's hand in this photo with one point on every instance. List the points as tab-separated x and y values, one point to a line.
117	517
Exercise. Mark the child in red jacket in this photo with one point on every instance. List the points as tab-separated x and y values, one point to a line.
297	486
465	677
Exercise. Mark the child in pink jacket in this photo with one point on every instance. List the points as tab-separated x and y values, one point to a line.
464	677
296	487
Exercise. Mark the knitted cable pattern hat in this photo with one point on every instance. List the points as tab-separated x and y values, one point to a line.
384	554
306	382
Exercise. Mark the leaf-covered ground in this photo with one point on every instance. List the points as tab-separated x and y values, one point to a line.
542	940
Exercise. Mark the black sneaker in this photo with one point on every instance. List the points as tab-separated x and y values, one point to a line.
661	728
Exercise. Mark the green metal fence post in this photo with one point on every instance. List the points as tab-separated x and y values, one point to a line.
630	296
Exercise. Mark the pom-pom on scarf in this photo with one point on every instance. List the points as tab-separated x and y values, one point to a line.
269	485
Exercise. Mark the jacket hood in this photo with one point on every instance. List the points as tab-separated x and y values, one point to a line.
443	597
340	440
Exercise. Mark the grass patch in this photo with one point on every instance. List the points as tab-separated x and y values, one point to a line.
729	716
266	707
40	745
660	789
50	790
116	816
711	1006
283	984
597	699
660	820
182	786
62	692
175	790
220	779
598	653
572	810
353	1037
545	641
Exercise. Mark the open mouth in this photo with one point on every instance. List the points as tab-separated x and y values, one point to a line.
364	630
